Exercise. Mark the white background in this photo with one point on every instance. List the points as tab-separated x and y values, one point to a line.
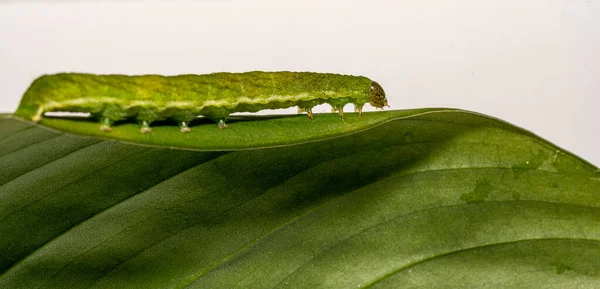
534	63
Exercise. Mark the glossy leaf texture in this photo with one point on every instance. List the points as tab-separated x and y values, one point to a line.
243	132
429	198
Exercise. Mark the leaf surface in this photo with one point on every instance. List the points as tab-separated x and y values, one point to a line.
430	198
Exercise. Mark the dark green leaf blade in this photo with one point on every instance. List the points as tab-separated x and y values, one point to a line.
243	132
411	201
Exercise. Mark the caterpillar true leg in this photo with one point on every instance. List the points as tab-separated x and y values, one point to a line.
310	113
358	108
339	109
341	112
308	110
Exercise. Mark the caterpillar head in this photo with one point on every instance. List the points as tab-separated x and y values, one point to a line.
377	97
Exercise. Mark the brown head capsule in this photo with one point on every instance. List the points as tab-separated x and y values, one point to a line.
377	96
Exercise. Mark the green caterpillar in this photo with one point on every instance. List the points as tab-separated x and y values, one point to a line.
148	98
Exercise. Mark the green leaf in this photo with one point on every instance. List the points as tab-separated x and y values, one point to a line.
243	132
431	198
